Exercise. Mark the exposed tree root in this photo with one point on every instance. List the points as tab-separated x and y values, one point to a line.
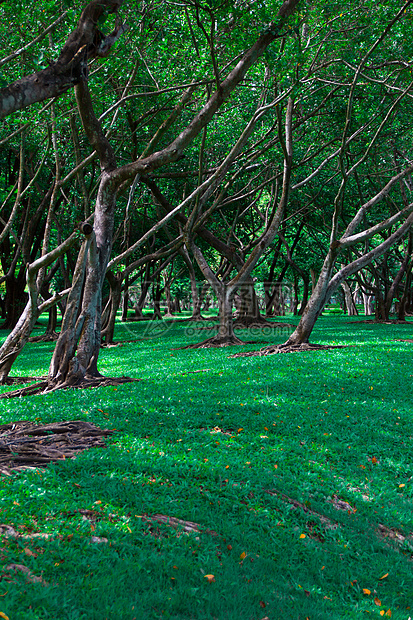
326	522
24	444
185	526
394	537
190	319
19	380
48	337
30	577
403	340
293	348
382	322
119	343
216	341
45	386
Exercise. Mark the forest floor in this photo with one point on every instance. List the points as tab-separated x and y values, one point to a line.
276	487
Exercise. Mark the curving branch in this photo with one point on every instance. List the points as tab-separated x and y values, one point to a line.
85	42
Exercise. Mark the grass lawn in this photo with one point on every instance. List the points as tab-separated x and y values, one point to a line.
297	470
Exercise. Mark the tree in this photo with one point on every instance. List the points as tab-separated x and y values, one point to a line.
361	132
76	353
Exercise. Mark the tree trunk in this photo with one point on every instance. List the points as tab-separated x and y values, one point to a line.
114	299
17	339
306	282
349	300
225	335
380	308
368	304
15	301
315	305
75	357
248	311
125	300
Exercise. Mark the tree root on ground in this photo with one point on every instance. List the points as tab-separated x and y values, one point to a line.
293	348
395	538
185	526
216	341
45	386
48	337
19	380
382	322
26	445
119	343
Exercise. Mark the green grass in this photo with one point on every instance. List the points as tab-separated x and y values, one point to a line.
259	450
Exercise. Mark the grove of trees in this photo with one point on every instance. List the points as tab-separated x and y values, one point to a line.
214	141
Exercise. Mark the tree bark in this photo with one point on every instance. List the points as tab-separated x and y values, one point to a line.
83	43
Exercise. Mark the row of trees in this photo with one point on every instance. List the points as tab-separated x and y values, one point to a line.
220	141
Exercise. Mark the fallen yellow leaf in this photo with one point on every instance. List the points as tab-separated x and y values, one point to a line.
3	615
401	486
366	591
243	555
302	535
382	612
374	460
384	576
377	601
210	578
388	613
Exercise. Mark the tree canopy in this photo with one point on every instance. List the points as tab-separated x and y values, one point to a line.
233	135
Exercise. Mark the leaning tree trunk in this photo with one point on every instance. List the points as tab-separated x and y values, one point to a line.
315	304
19	336
17	339
76	354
